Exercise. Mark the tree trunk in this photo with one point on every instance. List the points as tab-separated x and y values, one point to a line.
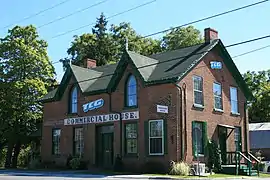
16	153
9	155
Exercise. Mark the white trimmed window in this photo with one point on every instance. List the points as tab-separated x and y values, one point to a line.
217	96
198	90
234	100
156	137
78	141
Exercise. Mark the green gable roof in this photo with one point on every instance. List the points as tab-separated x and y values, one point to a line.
167	67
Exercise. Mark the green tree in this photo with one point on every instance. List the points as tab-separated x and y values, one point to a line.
26	74
181	37
259	84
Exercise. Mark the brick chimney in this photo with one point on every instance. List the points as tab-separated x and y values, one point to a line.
90	63
210	34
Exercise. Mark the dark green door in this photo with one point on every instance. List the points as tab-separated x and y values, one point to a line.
104	144
107	150
223	144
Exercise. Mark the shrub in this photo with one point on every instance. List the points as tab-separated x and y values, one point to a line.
3	154
75	163
24	156
213	156
180	168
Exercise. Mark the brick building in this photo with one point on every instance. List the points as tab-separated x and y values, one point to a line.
148	109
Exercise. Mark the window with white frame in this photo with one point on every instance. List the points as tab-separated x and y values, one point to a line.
78	141
217	96
156	137
234	100
198	90
56	133
74	100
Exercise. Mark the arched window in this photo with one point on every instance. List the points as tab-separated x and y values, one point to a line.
74	100
131	91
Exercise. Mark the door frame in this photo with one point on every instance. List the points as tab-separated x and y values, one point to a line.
99	160
223	151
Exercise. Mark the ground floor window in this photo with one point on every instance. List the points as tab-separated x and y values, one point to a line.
199	136
56	133
78	141
156	137
131	144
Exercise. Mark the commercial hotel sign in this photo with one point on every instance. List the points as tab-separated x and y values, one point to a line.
102	118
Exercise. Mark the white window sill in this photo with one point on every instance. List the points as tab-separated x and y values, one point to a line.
198	106
156	154
218	110
235	113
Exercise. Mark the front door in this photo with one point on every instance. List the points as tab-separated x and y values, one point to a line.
238	139
104	144
223	144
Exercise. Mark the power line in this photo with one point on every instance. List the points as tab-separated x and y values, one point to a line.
231	45
117	14
36	14
73	13
206	18
252	51
152	64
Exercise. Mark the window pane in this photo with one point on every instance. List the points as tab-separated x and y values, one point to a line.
197	83
218	103
155	145
131	145
233	93
132	100
198	137
131	131
132	90
198	99
78	141
131	138
217	89
74	100
234	106
156	128
56	141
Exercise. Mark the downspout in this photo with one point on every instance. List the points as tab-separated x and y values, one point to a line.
185	119
179	121
246	129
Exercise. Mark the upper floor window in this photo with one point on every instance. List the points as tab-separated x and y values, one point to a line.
131	91
198	90
217	96
234	100
74	100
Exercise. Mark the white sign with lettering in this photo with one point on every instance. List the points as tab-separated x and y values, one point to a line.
162	109
102	118
216	65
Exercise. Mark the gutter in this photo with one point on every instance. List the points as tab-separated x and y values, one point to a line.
245	126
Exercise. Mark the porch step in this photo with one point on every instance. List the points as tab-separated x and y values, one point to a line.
231	169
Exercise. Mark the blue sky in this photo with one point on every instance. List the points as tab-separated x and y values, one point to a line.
234	27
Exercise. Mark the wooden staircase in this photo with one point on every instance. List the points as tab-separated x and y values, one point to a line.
240	164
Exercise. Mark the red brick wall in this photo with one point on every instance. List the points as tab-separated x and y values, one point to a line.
148	98
210	76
